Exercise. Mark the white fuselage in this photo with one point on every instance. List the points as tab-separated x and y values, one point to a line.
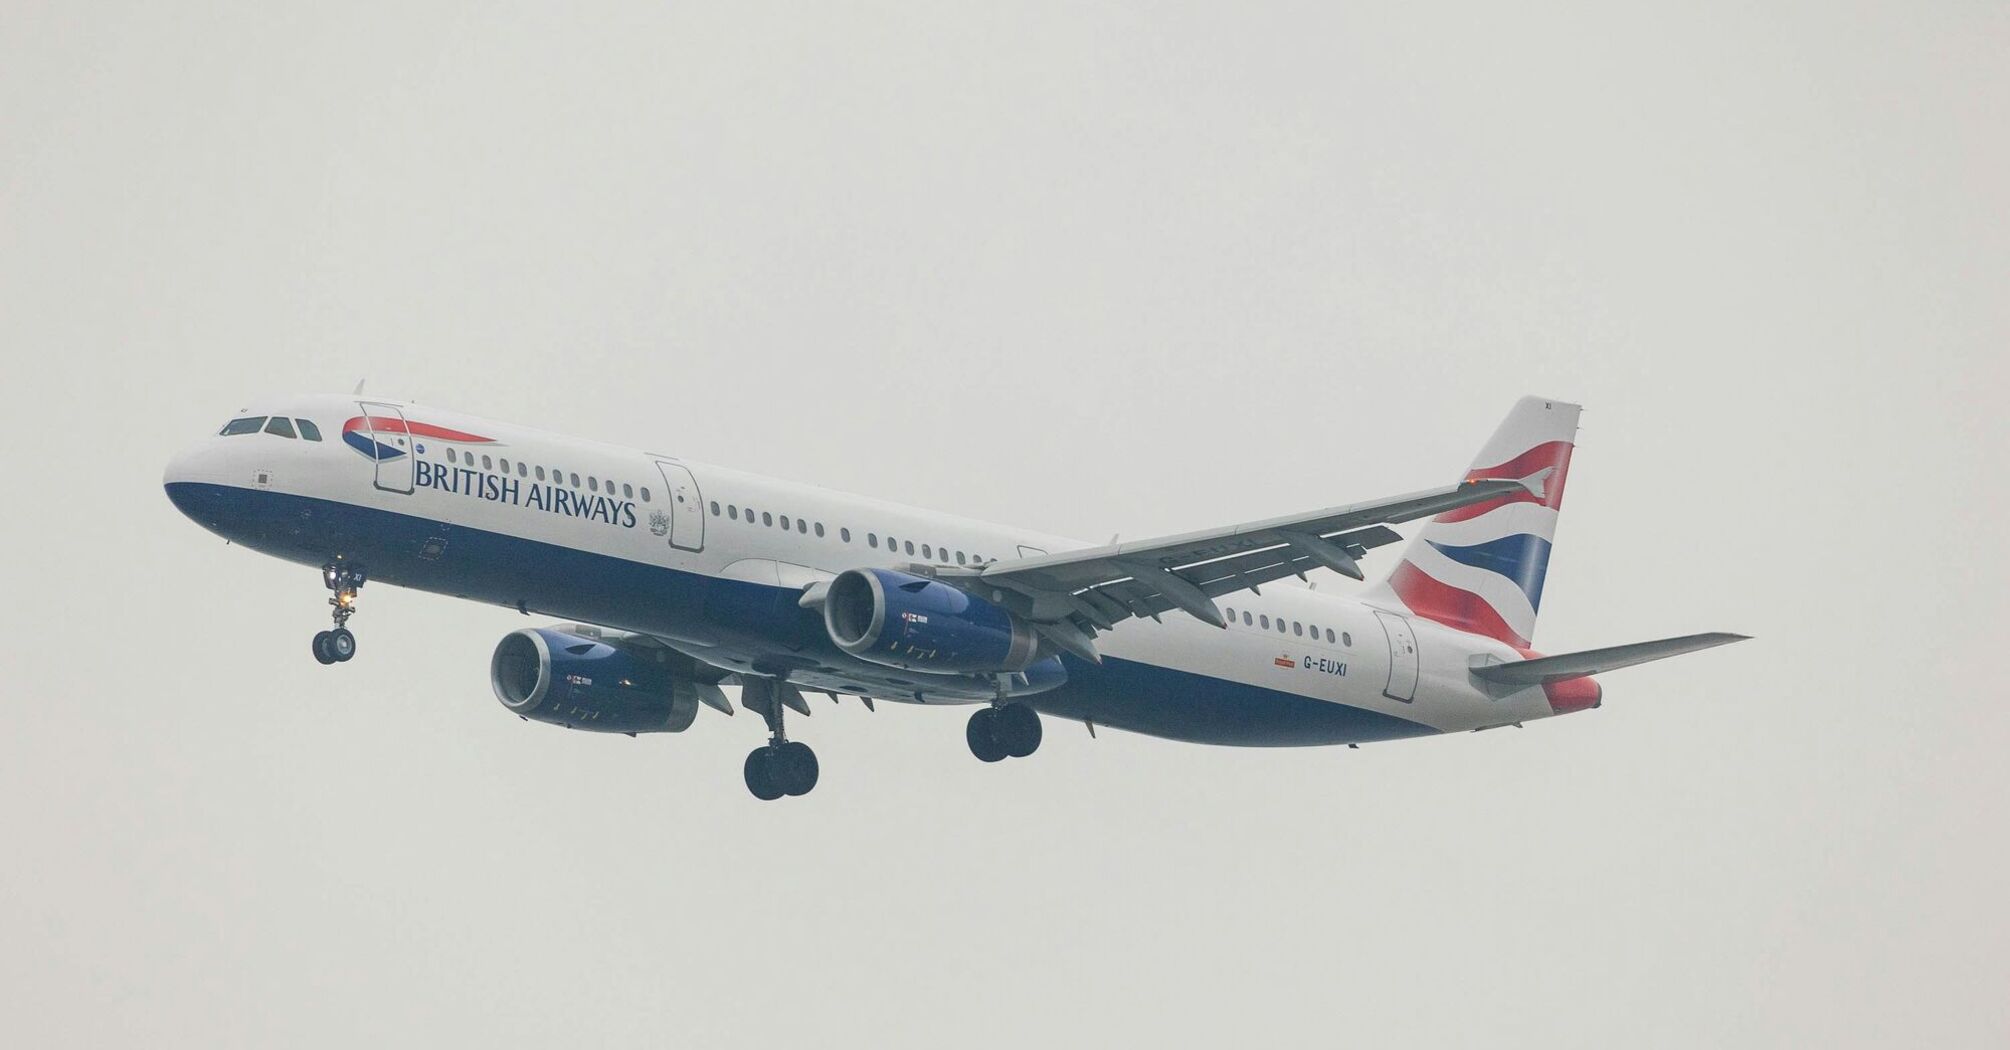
504	520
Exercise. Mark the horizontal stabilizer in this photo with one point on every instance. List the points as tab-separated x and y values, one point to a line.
1546	669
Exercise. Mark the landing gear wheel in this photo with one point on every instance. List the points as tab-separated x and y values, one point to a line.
982	735
1017	729
784	767
795	768
343	581
760	772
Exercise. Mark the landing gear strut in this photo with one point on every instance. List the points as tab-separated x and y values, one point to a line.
784	766
338	645
1004	731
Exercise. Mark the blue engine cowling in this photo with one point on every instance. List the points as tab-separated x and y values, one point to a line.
549	675
900	620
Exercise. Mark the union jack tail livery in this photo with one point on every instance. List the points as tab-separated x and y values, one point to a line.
1479	568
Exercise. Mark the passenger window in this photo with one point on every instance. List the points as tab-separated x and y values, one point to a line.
1265	620
592	483
845	535
785	523
910	546
280	426
925	552
767	519
540	473
1329	635
1245	617
247	425
1298	628
645	493
521	470
820	528
1280	625
893	545
575	481
505	466
872	540
959	558
628	492
715	508
1231	615
1346	639
487	464
308	430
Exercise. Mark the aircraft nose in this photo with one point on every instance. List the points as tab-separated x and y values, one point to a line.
191	477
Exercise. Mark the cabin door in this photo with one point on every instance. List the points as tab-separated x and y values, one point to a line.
1402	657
686	507
390	445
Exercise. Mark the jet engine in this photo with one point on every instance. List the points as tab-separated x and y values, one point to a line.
900	620
551	675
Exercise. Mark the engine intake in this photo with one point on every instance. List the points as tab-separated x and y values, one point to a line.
896	619
549	675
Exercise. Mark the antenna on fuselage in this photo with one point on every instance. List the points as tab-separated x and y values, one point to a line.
359	386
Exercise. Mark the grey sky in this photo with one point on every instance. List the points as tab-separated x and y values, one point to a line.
1089	271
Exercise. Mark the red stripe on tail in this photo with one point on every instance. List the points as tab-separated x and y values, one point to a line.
1460	610
1552	454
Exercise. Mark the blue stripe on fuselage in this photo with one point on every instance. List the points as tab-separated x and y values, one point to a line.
744	618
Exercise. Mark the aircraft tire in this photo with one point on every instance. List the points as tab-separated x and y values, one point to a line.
796	768
982	736
760	773
1018	729
321	653
341	645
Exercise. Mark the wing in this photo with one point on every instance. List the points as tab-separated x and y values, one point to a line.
1073	594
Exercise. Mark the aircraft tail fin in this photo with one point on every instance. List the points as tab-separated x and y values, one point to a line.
1480	568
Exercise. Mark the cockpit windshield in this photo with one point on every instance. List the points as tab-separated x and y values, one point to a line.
278	426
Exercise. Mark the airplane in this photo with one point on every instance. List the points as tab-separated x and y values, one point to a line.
674	579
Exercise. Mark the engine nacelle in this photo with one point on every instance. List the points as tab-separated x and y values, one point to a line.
549	675
900	620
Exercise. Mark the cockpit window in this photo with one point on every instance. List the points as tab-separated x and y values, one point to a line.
308	430
281	426
247	425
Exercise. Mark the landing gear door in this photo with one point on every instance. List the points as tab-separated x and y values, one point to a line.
687	507
390	445
1402	657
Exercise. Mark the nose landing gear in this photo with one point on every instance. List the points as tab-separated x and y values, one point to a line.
338	645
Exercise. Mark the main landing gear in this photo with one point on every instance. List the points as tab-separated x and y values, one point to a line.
1004	731
338	646
784	766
